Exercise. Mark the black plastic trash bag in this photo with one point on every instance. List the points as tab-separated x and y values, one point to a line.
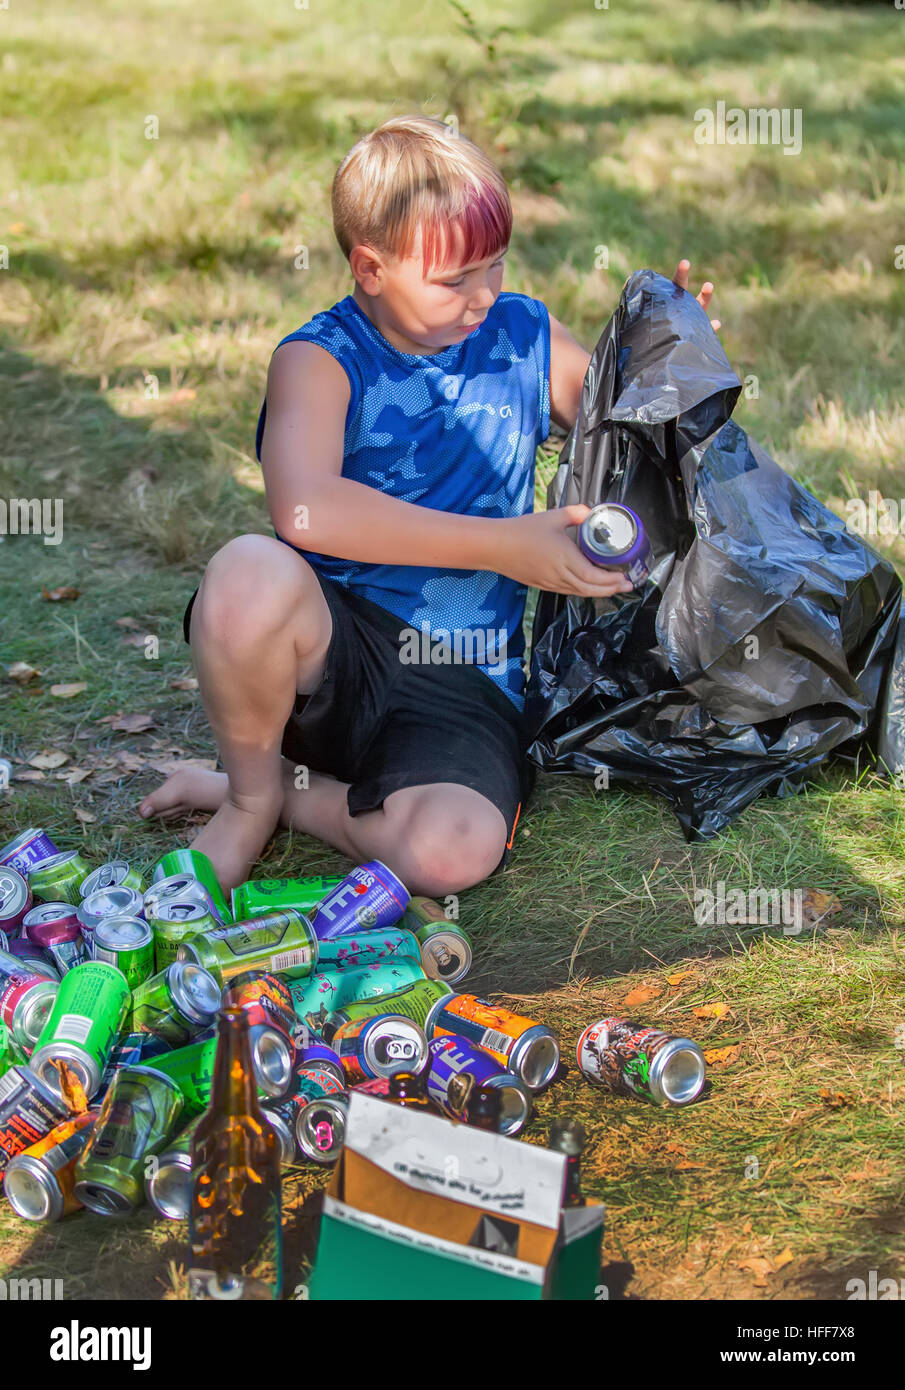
763	639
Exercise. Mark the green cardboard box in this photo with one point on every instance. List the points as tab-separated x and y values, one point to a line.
420	1207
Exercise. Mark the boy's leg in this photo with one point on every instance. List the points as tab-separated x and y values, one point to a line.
260	629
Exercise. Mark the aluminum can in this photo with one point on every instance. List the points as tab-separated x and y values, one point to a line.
354	950
315	1053
445	949
320	994
192	1067
28	1111
282	943
26	999
175	921
116	873
11	1053
370	896
58	879
127	943
176	1003
62	941
23	949
634	1060
117	901
257	989
38	1183
458	1066
131	1050
380	1046
526	1048
87	1015
416	1001
27	850
183	888
49	912
314	1112
194	862
613	536
15	899
139	1113
168	1184
269	894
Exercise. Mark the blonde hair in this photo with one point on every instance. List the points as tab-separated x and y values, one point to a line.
411	171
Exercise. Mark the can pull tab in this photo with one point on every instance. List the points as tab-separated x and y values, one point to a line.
400	1050
441	955
323	1135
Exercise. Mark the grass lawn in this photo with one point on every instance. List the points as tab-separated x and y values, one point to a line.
148	282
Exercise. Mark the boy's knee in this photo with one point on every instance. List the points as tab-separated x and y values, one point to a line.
445	853
251	586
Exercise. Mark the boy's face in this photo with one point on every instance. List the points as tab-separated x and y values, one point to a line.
431	311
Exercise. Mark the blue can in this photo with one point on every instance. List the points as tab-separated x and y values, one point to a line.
325	991
370	896
613	537
458	1066
28	850
315	1053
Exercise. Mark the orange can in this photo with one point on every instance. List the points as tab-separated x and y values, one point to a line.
523	1046
38	1183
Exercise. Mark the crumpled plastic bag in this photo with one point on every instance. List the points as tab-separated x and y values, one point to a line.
762	641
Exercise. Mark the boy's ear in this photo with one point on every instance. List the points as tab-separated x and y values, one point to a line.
366	265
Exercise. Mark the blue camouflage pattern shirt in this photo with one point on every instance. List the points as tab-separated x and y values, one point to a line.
456	431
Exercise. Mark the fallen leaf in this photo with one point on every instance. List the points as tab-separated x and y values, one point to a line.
711	1011
759	1267
722	1056
836	1100
128	761
685	1165
17	228
128	723
640	995
85	817
21	672
747	1228
59	595
167	766
73	775
136	639
674	1148
184	683
66	691
26	775
677	979
816	905
126	622
784	1258
52	757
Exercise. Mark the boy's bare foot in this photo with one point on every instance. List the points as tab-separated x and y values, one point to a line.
235	836
189	789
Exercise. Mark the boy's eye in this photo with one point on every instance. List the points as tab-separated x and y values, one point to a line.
454	284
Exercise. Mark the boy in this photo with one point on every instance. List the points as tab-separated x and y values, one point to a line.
362	669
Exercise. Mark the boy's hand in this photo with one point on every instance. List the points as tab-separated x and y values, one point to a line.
681	279
537	551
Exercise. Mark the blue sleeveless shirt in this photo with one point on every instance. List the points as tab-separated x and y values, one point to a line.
456	431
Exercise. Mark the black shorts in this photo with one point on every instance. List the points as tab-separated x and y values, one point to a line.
381	724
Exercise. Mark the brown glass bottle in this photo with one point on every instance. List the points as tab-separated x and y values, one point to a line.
568	1137
410	1089
235	1218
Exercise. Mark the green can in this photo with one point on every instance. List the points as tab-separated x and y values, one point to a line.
116	873
174	922
192	861
282	943
11	1054
192	1068
127	943
445	949
168	1177
176	1004
415	1001
87	1015
140	1111
269	894
58	879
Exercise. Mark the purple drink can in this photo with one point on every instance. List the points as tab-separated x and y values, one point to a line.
28	850
318	1054
613	537
368	897
458	1066
63	914
31	952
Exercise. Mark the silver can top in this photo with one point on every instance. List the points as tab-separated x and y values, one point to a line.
609	529
122	934
31	1190
393	1044
49	912
321	1128
85	1067
169	1188
109	902
193	990
14	893
535	1057
109	875
272	1056
677	1072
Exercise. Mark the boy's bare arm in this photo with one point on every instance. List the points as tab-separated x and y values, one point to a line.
569	363
315	508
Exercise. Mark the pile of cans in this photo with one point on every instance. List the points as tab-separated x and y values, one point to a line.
109	995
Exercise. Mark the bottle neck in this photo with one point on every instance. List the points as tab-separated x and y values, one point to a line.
233	1090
